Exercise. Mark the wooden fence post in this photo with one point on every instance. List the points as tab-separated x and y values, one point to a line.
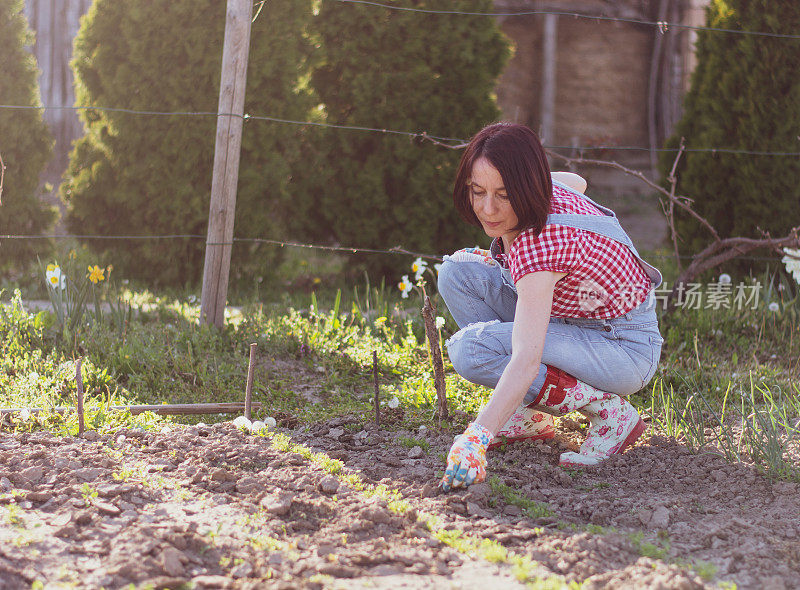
230	112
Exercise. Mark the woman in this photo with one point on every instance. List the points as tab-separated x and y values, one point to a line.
556	317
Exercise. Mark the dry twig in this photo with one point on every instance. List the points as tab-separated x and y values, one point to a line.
428	314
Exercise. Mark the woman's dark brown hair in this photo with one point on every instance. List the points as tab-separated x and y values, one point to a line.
517	154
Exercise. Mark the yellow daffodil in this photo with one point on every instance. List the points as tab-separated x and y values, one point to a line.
96	274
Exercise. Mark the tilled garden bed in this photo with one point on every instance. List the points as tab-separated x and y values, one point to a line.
216	507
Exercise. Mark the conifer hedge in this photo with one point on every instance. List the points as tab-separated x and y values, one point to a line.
745	95
341	63
25	142
383	68
151	175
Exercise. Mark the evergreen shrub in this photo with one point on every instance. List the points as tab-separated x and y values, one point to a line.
393	69
135	174
745	95
25	142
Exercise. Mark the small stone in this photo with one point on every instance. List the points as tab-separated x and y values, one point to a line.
415	452
337	571
242	570
39	496
512	510
645	515
335	432
660	518
219	474
107	508
474	510
329	484
33	474
83	517
88	473
66	531
6	484
375	514
279	505
429	490
480	491
170	561
91	435
247	485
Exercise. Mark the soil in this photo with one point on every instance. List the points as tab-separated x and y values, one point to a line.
215	507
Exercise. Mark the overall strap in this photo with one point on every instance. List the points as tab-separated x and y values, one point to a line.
605	225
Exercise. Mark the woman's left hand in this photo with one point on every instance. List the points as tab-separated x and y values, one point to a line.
466	462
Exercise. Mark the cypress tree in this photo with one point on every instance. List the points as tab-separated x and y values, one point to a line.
25	142
151	175
393	69
745	95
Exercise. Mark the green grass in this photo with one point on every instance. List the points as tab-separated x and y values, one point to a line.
727	380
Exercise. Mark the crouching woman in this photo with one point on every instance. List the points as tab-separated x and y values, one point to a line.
557	316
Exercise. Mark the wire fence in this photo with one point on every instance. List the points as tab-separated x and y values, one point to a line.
663	26
291	244
452	142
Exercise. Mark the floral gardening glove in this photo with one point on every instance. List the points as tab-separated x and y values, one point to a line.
466	463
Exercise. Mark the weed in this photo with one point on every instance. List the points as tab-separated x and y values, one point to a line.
705	569
532	508
410	442
658	550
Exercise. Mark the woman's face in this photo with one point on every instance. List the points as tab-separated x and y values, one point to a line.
491	204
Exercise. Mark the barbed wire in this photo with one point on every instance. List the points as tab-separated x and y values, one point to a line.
663	26
447	142
285	243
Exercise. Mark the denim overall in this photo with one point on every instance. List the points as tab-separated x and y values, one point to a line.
618	355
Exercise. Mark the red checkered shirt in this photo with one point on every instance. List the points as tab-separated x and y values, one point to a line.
604	280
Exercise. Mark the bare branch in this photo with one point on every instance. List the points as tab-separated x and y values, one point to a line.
681	201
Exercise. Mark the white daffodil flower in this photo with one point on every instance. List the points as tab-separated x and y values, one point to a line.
55	278
405	286
418	268
792	263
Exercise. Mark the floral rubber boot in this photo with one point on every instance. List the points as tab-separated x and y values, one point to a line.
614	424
526	423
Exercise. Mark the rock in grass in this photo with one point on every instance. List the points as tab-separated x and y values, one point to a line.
329	485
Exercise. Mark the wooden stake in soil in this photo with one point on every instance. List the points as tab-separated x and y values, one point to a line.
377	388
79	384
248	393
428	314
